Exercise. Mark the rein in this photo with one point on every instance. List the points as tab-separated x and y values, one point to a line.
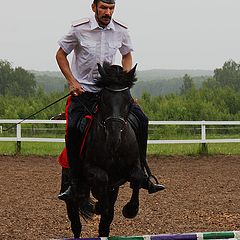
33	114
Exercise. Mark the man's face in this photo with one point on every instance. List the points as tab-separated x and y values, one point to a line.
103	12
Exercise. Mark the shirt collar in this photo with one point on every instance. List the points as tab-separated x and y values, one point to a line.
94	24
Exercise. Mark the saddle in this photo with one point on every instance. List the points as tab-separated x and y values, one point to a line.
84	127
133	121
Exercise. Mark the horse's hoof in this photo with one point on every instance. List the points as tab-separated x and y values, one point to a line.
130	210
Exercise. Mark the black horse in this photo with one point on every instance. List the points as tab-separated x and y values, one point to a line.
111	156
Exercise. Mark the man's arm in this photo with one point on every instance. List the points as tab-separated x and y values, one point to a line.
127	62
74	86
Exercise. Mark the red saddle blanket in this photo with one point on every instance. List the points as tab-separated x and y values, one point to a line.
63	158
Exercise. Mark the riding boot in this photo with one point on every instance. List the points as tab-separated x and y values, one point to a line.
67	195
77	136
71	191
147	182
65	183
150	186
139	122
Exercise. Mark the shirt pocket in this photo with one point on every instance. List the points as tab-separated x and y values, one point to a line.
88	48
113	47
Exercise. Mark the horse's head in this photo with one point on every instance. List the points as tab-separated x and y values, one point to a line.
115	101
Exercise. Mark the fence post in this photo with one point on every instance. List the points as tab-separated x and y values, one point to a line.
18	146
203	147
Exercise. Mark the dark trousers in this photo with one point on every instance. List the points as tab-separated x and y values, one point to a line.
76	109
142	131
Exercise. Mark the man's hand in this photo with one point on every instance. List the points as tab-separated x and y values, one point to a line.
75	88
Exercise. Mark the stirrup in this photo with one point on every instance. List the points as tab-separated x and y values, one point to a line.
153	177
154	187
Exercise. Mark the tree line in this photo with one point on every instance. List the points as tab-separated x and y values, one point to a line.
218	97
20	96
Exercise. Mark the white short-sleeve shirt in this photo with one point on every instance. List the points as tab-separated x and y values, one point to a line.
91	45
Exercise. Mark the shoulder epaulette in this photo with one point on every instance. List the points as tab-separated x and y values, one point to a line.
80	22
120	23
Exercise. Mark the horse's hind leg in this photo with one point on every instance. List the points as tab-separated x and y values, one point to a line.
72	207
107	215
73	215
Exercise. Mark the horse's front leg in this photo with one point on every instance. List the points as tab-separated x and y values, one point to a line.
130	210
98	179
107	216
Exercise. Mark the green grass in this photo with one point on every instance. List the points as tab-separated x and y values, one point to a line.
54	149
194	149
35	148
173	149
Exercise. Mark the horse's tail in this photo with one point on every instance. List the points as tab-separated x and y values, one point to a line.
87	209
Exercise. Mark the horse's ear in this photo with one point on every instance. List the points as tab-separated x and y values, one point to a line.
131	73
101	70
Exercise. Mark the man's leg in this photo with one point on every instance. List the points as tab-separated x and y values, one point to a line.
75	111
142	135
74	114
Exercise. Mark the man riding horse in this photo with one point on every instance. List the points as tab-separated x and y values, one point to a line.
96	40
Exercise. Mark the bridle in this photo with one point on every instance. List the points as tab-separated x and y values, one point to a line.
119	119
116	90
115	119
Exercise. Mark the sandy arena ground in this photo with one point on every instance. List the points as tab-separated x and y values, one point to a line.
202	194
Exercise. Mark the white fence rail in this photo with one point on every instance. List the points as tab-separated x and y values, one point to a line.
202	124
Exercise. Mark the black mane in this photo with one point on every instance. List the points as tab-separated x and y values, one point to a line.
115	76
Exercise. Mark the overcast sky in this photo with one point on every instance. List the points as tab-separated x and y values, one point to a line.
167	34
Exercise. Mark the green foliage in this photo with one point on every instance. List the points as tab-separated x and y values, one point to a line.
217	99
228	75
203	104
19	107
5	76
51	84
23	83
188	84
20	96
16	82
164	86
